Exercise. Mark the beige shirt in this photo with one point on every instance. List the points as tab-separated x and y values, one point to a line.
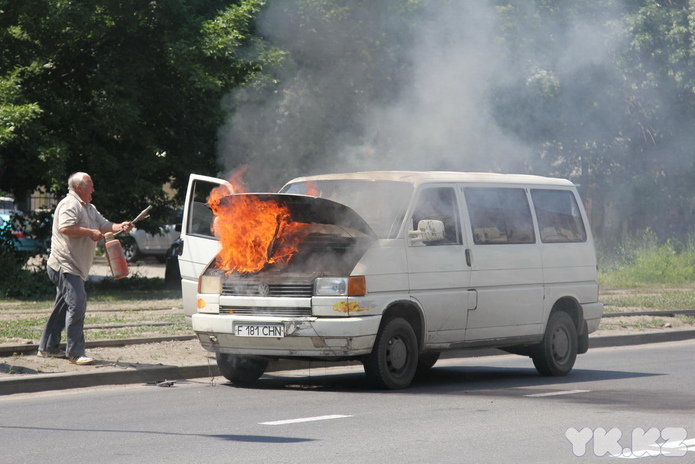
74	255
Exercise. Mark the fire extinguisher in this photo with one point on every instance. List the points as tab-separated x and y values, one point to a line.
115	256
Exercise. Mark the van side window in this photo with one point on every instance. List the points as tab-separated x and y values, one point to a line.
499	216
440	204
559	219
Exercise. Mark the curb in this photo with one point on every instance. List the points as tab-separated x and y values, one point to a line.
32	348
45	382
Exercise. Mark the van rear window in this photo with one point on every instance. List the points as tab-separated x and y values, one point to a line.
559	219
499	216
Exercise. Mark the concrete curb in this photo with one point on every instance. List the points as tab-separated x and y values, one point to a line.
32	348
45	382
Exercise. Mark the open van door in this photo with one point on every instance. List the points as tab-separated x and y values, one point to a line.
199	245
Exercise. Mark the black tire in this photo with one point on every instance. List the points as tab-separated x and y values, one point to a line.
241	369
556	354
393	360
130	250
427	360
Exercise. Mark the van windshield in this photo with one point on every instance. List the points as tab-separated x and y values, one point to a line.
381	204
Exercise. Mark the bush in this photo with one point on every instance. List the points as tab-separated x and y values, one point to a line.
18	282
647	262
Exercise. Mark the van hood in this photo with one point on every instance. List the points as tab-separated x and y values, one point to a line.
333	239
317	210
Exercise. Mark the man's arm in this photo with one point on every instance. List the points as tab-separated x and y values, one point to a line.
78	231
95	234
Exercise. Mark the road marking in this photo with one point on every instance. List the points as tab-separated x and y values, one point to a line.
304	419
690	443
558	393
664	450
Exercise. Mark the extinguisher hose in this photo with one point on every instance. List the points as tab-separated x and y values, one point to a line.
144	214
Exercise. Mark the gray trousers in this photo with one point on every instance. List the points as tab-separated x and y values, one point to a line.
68	313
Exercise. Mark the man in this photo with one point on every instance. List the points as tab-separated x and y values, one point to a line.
77	226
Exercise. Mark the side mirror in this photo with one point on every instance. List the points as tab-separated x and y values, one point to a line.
428	231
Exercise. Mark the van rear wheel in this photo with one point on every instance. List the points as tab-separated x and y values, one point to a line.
556	354
393	361
241	369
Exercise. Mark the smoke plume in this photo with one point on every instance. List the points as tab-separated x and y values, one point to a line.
434	89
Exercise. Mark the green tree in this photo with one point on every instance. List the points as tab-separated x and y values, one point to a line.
604	94
660	66
126	90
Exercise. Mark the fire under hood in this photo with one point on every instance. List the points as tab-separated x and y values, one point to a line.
333	240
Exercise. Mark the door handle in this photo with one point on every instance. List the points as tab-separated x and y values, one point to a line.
468	257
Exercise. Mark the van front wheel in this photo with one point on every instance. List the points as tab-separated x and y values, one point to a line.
393	361
241	369
556	354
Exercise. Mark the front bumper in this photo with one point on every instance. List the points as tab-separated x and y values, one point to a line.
304	337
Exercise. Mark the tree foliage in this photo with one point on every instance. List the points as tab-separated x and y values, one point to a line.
126	90
144	93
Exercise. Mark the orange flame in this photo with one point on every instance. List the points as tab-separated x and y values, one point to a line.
253	232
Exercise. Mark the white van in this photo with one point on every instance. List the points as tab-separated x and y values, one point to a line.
392	268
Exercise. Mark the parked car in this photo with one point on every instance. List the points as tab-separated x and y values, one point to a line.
139	244
22	238
7	205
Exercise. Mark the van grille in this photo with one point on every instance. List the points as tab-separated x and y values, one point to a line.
258	311
287	290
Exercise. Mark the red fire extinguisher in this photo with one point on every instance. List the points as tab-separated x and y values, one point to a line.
115	256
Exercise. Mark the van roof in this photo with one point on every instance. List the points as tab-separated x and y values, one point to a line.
422	177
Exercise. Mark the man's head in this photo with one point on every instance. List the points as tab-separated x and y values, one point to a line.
82	185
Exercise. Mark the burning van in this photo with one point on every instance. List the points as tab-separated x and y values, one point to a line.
389	268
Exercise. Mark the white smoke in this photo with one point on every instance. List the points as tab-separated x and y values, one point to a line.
442	117
443	120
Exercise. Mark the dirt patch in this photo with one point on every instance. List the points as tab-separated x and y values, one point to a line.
29	318
173	353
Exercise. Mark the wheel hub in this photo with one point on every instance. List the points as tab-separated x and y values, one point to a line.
561	345
397	354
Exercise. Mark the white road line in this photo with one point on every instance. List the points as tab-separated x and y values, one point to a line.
557	393
304	419
689	443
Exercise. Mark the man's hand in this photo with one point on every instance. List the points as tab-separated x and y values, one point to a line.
95	235
126	226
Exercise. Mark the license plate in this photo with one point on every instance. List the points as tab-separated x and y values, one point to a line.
259	330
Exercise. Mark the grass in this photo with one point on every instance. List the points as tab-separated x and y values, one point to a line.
690	320
646	275
29	328
636	323
132	303
652	298
645	262
642	275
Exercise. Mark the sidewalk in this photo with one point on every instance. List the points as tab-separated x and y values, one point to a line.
184	358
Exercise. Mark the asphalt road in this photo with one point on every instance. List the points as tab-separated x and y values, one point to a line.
633	400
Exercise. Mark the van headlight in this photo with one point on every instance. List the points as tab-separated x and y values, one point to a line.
210	284
340	286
